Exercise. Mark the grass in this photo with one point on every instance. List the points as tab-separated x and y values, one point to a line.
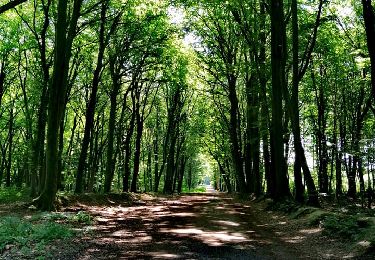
199	189
24	235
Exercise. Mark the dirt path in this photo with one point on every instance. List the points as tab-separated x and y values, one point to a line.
196	226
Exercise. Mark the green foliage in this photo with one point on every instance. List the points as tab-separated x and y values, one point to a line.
50	231
82	217
12	194
23	233
316	217
283	206
303	211
341	226
199	189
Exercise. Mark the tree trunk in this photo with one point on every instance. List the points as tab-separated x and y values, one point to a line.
110	168
278	59
38	171
63	46
170	170
181	175
10	145
138	139
90	112
237	159
127	146
369	18
299	196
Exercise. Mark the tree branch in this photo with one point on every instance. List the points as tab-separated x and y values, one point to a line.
10	5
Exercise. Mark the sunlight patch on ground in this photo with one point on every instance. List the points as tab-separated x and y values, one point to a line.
183	214
190	231
102	219
211	238
294	240
157	208
310	231
226	223
164	255
126	236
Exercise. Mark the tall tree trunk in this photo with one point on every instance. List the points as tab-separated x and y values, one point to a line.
298	73
60	176
38	171
90	112
369	17
116	85
57	96
181	175
294	103
138	139
156	152
236	153
127	147
278	59
265	114
10	145
170	170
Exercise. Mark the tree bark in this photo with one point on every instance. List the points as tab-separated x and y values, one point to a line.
369	18
127	146
138	139
10	146
10	5
116	85
57	96
90	112
278	59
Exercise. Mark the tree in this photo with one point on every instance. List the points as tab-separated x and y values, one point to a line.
10	5
57	93
369	18
278	60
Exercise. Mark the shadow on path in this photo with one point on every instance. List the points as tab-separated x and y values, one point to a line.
192	226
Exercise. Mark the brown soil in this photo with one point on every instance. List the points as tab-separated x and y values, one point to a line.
195	226
200	226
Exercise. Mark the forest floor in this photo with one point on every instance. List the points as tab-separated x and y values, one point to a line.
208	225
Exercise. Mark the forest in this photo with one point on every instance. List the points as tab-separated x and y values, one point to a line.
156	103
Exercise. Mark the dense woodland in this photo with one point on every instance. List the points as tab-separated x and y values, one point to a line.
277	97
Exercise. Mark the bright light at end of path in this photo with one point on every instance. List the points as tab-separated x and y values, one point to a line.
177	17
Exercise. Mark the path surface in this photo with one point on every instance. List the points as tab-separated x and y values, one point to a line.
195	226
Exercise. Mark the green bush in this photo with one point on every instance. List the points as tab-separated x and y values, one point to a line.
13	230
9	195
343	226
50	231
82	217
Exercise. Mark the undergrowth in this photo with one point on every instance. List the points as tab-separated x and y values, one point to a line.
11	195
199	189
32	237
23	235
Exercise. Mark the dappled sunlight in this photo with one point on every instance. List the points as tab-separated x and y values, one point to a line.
311	231
294	240
164	255
186	227
209	237
226	223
